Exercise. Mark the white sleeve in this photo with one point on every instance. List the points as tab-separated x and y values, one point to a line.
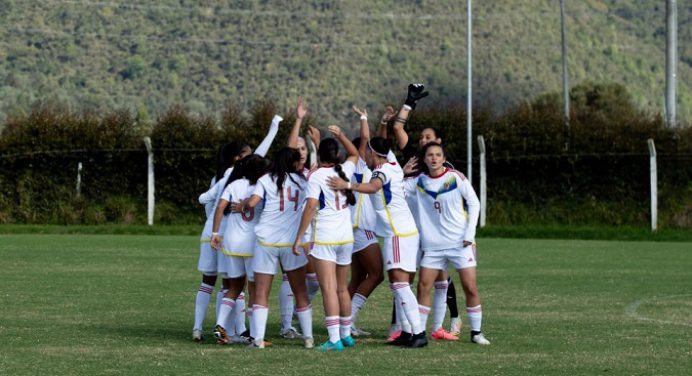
474	207
348	168
263	147
410	186
259	187
227	193
313	189
210	195
378	173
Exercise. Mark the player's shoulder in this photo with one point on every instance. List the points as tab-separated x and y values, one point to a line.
458	174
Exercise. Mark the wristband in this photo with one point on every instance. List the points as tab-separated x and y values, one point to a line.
363	117
348	186
407	107
214	234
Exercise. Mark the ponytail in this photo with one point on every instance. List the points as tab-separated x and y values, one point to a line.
350	197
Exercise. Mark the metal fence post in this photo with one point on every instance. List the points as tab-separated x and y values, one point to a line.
79	179
654	184
150	181
481	147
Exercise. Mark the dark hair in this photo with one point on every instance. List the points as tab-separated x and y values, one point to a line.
284	164
225	158
329	153
438	132
380	145
356	142
240	169
421	156
255	168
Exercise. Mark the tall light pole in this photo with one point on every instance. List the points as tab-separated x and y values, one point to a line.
469	102
565	79
671	62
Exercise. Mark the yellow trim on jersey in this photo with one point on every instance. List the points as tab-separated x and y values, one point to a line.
391	223
360	201
237	254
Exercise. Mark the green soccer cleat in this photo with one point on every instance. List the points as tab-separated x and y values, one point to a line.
330	346
348	341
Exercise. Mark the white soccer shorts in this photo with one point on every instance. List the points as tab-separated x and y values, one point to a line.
340	254
362	239
239	266
267	259
459	258
208	259
400	253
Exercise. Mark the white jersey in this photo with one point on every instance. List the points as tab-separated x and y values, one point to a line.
280	217
362	213
332	222
239	238
212	196
393	215
440	209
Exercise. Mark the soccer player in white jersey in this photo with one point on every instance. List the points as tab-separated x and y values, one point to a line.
396	225
237	243
283	193
366	263
208	258
447	232
332	237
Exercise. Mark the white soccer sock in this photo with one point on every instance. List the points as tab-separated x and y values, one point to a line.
357	303
439	304
424	313
219	297
286	305
332	323
475	317
227	305
401	319
239	315
305	319
260	313
201	304
409	304
251	318
345	326
312	285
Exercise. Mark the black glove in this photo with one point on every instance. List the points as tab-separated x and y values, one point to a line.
415	92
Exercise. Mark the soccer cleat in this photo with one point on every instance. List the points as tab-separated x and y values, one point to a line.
330	346
309	342
348	341
417	341
256	345
455	326
221	335
357	332
394	328
197	335
443	334
245	337
393	336
479	339
403	340
290	333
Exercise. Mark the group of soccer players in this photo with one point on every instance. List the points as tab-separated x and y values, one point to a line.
321	224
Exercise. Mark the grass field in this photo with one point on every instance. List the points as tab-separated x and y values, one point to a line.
123	304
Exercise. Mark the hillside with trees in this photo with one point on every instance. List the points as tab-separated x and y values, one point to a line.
147	56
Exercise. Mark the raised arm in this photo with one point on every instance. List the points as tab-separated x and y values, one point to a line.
389	113
351	151
415	93
301	111
364	130
264	146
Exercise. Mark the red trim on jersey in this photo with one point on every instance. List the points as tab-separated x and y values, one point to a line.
459	173
440	175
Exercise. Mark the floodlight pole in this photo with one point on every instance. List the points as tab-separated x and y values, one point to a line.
671	62
565	78
469	102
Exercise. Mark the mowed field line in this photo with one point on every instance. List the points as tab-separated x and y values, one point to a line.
123	304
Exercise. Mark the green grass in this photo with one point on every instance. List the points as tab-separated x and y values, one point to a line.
106	304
